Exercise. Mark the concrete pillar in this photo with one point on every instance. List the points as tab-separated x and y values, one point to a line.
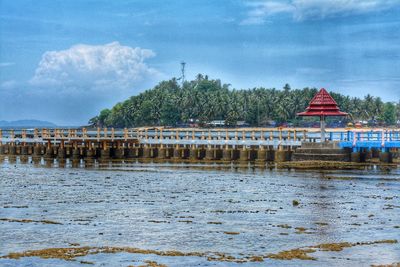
90	154
177	153
244	154
288	155
375	153
227	154
105	154
261	154
118	153
146	152
218	153
12	150
386	157
154	152
280	156
185	153
61	153
76	154
202	153
210	154
133	152
49	152
24	150
368	154
363	156
169	152
252	154
139	152
37	151
355	157
235	154
30	149
162	152
193	154
270	155
128	152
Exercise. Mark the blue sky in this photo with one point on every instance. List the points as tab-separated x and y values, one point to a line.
64	61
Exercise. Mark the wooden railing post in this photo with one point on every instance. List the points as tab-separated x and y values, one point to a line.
125	134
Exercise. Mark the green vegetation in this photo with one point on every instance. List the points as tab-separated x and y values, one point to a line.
205	100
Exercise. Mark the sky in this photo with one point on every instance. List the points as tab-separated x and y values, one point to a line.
64	61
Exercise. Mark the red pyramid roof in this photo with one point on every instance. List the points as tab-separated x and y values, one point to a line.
322	104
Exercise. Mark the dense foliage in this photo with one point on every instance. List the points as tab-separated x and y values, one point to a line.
204	100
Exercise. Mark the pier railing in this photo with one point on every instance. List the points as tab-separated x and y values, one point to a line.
359	139
195	136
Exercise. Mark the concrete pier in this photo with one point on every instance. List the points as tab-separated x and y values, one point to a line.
207	145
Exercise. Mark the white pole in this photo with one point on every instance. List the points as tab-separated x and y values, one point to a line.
322	128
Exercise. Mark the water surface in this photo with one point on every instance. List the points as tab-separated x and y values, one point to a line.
197	208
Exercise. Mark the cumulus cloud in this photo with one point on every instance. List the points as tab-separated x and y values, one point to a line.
70	86
94	67
314	9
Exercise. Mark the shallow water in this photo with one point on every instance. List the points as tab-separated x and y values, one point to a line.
197	208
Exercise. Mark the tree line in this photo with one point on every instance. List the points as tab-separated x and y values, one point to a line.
203	100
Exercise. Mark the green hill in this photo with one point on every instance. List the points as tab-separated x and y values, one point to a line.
205	99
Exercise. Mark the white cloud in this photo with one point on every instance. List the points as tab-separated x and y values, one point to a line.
6	64
8	85
314	9
94	67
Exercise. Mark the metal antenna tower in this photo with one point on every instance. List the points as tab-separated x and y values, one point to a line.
183	72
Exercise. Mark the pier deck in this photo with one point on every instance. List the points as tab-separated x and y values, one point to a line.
261	144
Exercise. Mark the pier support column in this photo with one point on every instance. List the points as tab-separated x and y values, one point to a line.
154	152
61	153
244	154
227	154
210	154
49	152
177	153
90	154
76	154
24	153
355	157
363	156
105	154
119	153
1	150
288	155
280	155
386	157
24	150
270	155
146	152
162	152
135	152
169	152
368	154
194	153
261	155
375	153
218	153
12	150
37	151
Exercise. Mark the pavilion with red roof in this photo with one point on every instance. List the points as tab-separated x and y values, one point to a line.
322	105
